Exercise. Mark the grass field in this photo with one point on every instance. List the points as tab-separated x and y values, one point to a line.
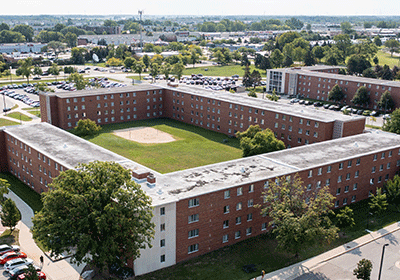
195	146
4	122
35	112
222	71
19	116
385	58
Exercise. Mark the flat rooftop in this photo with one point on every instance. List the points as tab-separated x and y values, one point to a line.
70	150
309	112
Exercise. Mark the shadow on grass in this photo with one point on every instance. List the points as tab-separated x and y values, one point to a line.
10	238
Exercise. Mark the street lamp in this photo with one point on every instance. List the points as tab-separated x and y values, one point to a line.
383	253
11	74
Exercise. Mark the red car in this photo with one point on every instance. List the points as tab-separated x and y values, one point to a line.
12	255
40	274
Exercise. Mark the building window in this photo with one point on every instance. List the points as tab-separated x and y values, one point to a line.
239	191
162	211
388	165
340	166
353	198
320	171
328	182
375	157
250	203
329	169
225	238
337	203
226	209
227	194
226	224
162	243
248	231
193	218
237	234
251	188
348	176
238	220
238	206
339	179
373	169
193	233
309	173
358	161
194	202
193	248
345	201
309	187
162	227
249	217
162	258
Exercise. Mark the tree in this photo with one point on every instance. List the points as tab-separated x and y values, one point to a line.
86	127
378	203
386	73
78	55
309	58
194	57
386	102
336	94
392	45
129	63
392	188
70	39
146	60
255	78
54	70
37	71
363	269
361	97
97	213
345	217
69	70
80	82
357	64
377	41
369	73
31	273
56	46
393	123
255	141
4	185
114	62
154	70
7	36
25	30
139	68
276	58
166	69
346	27
9	214
177	70
43	87
247	81
299	218
4	26
25	68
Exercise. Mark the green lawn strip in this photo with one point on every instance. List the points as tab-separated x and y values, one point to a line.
19	116
385	58
5	122
10	238
194	146
14	107
26	193
31	81
101	64
222	71
373	126
33	111
227	263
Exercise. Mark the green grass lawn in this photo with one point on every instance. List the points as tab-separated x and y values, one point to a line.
4	122
227	263
385	58
35	112
194	146
19	116
223	71
26	193
100	64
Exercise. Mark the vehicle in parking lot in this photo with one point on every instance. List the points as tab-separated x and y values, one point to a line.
326	106
374	113
40	274
11	256
294	100
386	117
302	101
14	273
5	110
4	248
318	104
10	265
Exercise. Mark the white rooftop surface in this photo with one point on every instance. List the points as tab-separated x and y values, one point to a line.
283	108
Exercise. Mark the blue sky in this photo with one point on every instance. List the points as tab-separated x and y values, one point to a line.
202	7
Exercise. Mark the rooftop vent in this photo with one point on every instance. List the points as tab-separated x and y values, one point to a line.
242	170
355	144
65	146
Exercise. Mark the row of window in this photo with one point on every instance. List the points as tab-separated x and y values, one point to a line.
238	220
239	191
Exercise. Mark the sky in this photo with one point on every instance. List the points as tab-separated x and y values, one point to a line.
202	7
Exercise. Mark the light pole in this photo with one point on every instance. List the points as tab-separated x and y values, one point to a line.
383	253
11	74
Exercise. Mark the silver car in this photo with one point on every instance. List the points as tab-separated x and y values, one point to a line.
10	265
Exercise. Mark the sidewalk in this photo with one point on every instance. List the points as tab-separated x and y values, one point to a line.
59	270
298	269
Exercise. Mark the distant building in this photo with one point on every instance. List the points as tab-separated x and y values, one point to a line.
21	48
103	29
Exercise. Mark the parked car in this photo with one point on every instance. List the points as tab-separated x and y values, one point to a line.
7	248
40	274
14	273
11	256
318	104
326	106
10	265
386	117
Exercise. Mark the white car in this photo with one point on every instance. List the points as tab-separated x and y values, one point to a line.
10	265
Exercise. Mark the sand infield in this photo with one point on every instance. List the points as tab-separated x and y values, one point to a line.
147	135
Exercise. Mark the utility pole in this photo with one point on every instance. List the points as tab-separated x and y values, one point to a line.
383	253
141	26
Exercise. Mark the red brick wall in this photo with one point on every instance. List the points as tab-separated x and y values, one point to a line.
3	152
353	127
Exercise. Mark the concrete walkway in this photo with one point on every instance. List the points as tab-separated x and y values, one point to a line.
298	269
58	270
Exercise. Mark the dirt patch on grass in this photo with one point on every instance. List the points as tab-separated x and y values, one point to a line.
147	135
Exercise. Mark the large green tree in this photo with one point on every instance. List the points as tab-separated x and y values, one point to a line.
299	217
386	102
86	127
4	185
393	123
9	214
393	45
392	188
79	80
97	214
177	70
25	30
361	97
357	64
336	94
378	203
25	68
255	141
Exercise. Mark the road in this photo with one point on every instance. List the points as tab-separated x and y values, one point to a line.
341	268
